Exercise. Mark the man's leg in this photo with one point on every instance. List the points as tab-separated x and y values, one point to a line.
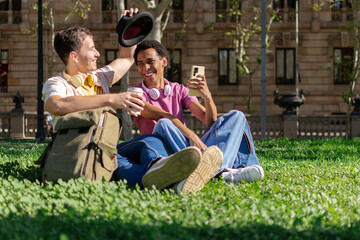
228	133
246	155
210	162
237	144
144	161
136	156
173	139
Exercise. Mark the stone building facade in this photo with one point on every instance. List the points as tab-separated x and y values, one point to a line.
325	51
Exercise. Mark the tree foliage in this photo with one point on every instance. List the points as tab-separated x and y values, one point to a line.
245	34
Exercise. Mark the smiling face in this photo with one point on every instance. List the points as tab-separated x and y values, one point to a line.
87	56
151	67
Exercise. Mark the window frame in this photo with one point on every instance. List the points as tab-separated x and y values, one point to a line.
14	12
170	70
286	4
344	52
284	80
227	76
178	11
4	71
117	86
225	9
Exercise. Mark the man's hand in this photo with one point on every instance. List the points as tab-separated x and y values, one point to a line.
126	55
200	85
194	140
130	12
128	100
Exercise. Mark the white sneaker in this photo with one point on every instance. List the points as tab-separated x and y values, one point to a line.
179	186
249	174
172	169
210	163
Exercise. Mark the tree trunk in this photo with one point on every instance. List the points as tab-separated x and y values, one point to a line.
249	94
126	120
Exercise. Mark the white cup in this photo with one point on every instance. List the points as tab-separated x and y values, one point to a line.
137	90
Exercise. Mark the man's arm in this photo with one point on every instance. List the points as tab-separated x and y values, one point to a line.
59	106
207	114
154	113
126	55
123	63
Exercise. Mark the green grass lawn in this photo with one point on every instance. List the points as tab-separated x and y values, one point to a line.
311	190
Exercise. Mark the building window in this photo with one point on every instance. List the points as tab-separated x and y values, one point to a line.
286	10
109	10
4	5
285	66
228	74
15	13
4	63
178	11
111	55
108	5
173	70
336	4
339	6
281	4
226	10
343	65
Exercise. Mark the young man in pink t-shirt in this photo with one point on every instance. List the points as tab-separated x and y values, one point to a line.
163	116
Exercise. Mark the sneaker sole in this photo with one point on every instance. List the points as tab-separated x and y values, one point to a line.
261	171
176	169
210	163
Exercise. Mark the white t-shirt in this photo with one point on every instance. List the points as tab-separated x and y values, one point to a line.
59	86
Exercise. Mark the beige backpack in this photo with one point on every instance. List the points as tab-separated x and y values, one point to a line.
85	145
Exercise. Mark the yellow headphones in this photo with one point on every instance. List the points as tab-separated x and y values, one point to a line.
78	80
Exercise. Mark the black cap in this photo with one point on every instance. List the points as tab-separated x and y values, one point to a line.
132	30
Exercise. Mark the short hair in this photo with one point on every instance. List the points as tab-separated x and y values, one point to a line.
68	40
160	49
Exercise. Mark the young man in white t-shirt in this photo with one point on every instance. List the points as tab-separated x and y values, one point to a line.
81	86
62	94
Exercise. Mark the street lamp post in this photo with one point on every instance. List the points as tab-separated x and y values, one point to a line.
263	69
297	52
40	134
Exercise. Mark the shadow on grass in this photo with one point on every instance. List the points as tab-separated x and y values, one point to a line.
72	225
15	170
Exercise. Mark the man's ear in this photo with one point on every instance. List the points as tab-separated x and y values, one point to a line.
165	62
73	56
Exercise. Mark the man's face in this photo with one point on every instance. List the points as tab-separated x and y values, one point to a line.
88	55
151	67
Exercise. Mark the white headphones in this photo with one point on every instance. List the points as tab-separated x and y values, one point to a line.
154	92
78	80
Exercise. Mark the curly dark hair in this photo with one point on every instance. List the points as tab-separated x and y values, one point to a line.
68	40
160	49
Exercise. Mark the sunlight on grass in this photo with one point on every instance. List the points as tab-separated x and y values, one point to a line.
310	191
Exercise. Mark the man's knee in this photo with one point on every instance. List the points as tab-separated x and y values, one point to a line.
237	114
146	138
163	123
234	115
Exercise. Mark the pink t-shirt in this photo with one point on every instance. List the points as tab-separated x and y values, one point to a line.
172	104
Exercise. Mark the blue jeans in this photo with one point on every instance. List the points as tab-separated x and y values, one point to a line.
136	156
230	132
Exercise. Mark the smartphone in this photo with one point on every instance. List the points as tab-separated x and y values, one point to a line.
196	70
